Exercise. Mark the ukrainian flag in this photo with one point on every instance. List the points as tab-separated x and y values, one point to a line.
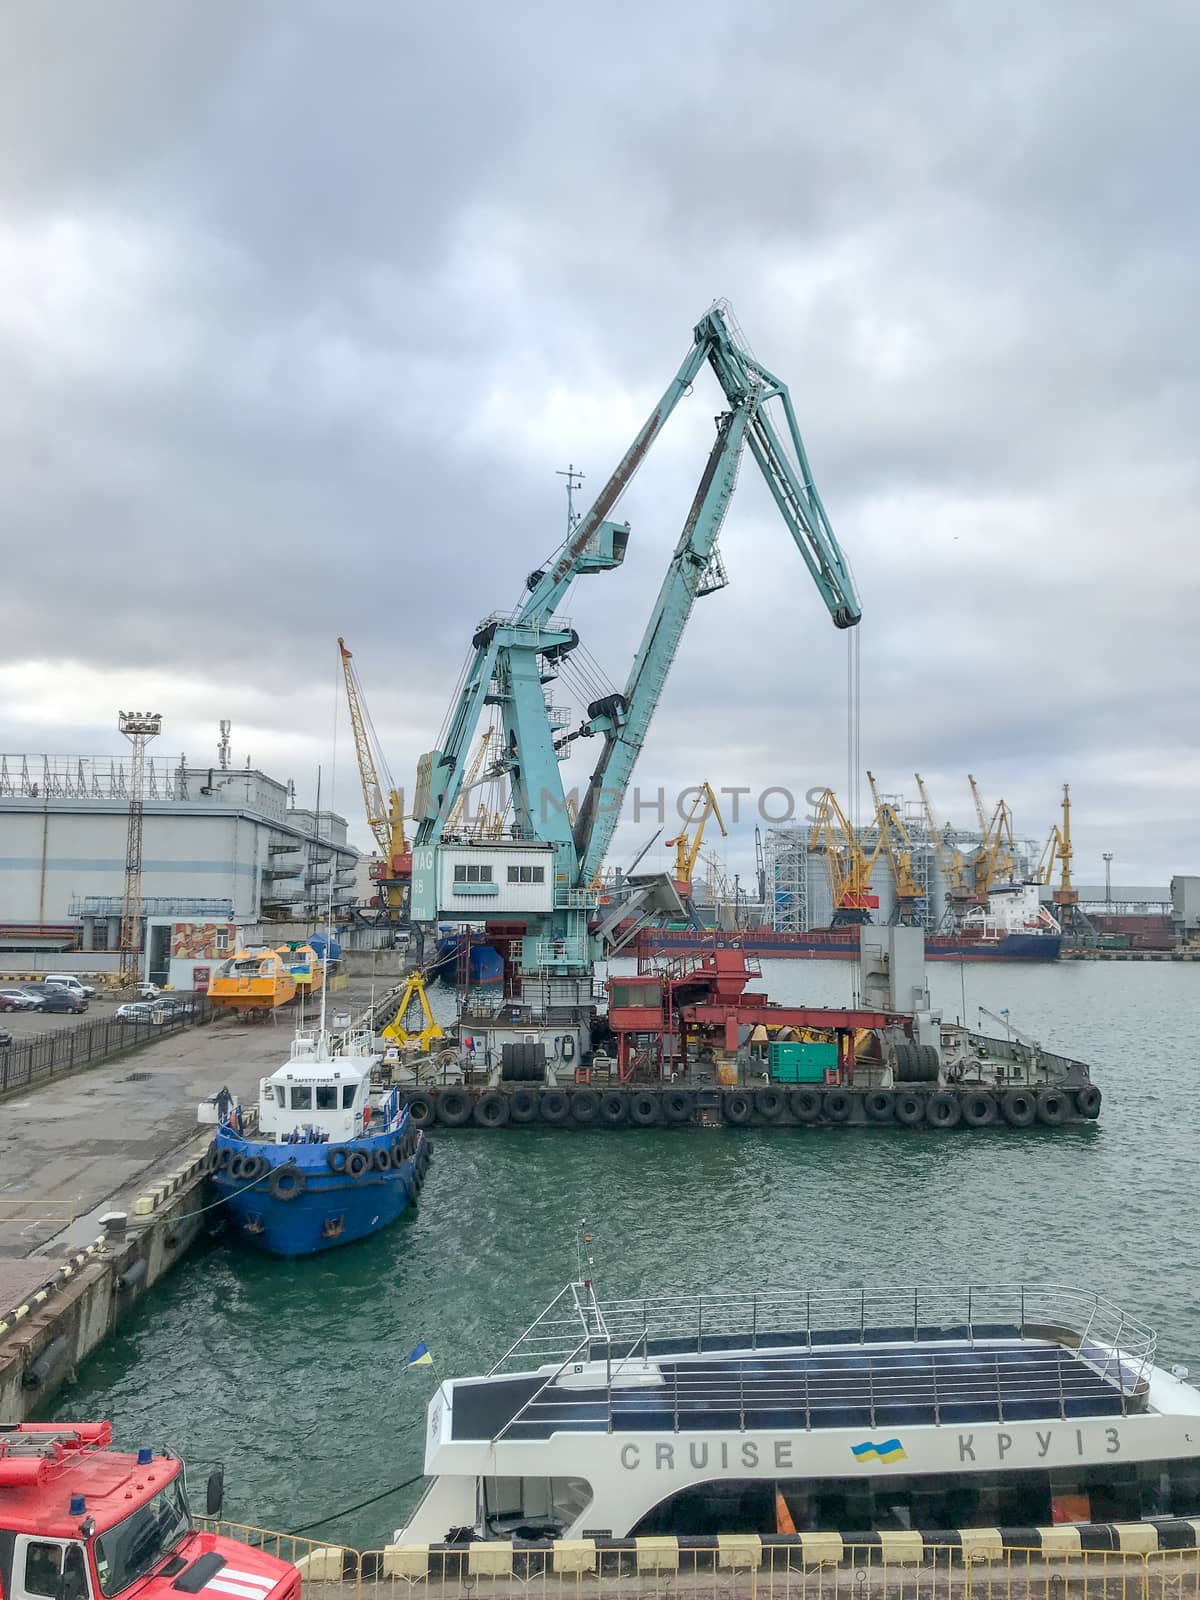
419	1357
887	1451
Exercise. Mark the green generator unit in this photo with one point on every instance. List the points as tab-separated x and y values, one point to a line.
792	1062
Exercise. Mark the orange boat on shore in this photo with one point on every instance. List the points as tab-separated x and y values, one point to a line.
264	980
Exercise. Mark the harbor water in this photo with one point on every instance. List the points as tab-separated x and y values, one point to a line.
291	1372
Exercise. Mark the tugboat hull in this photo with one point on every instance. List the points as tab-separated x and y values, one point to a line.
298	1206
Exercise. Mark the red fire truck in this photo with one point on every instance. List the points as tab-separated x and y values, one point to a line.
79	1521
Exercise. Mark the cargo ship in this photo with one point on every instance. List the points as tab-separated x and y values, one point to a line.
1014	926
842	944
484	964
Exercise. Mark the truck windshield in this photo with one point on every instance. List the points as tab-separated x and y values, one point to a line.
128	1551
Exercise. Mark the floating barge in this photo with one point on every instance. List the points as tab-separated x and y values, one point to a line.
689	1043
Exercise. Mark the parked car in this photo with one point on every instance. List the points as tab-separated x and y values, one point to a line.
134	1011
68	980
147	991
18	1000
172	1007
5	1038
64	1000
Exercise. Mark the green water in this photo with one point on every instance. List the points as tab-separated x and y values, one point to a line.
290	1373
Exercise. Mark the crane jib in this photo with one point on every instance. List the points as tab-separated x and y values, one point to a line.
515	657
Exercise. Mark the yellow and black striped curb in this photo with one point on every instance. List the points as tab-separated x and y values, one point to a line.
735	1552
199	1166
161	1191
61	1278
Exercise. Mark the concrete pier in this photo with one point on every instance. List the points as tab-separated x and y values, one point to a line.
118	1140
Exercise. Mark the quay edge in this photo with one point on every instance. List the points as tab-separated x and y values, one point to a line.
49	1329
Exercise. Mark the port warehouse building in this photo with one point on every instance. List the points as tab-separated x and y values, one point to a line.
222	850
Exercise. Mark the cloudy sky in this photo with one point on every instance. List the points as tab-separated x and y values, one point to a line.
303	304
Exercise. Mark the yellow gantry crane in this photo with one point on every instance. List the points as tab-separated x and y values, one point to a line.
849	865
951	862
385	817
1058	852
897	847
687	845
996	859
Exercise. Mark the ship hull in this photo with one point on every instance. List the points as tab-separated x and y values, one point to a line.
331	1208
485	966
842	944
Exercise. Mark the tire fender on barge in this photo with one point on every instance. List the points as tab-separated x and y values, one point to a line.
920	1108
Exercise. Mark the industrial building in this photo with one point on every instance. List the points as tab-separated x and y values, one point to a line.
220	846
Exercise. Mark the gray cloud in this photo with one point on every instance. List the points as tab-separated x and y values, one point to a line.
301	306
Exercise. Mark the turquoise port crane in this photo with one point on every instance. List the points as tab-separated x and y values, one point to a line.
515	655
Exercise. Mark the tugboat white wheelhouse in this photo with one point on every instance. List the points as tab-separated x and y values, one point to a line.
1001	1406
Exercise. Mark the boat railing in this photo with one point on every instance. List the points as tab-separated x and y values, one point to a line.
783	1328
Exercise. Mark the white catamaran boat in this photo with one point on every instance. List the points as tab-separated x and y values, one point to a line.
783	1411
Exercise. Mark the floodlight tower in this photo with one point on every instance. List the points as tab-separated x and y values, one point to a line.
139	727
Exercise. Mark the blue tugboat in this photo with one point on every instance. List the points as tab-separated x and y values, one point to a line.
324	1167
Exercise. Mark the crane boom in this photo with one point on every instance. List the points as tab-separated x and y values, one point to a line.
996	858
980	810
385	817
687	846
368	771
458	811
950	860
623	721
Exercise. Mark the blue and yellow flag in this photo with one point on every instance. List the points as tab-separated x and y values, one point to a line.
888	1450
419	1357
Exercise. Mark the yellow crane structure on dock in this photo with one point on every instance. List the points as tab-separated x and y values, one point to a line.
847	862
385	816
950	859
897	847
687	845
996	859
1058	853
398	1031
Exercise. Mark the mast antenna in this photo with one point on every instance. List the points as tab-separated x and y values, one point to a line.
574	477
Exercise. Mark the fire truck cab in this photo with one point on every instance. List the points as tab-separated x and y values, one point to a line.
79	1521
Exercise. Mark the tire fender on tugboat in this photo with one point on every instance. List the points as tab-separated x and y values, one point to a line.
287	1182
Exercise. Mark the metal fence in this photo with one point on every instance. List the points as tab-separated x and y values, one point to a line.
813	1566
34	1058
